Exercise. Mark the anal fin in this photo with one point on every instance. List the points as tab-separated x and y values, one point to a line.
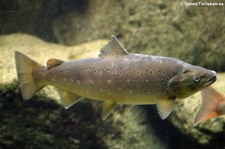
165	107
67	98
107	107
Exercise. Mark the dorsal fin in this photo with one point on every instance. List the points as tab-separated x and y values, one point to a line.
53	62
112	48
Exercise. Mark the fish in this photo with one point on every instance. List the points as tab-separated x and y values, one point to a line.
213	105
115	77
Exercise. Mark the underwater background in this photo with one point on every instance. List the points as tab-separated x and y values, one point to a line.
74	29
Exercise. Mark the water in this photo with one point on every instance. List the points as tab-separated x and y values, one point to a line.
78	29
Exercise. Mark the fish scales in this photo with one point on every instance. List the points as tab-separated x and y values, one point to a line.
134	79
115	77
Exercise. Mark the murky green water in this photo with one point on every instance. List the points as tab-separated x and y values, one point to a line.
73	29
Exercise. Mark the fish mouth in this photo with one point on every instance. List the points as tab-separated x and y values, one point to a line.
210	81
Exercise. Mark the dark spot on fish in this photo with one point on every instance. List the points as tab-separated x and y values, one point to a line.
146	70
129	68
150	72
68	69
89	67
174	72
159	71
148	91
167	79
164	72
120	73
95	71
138	73
107	69
61	71
158	86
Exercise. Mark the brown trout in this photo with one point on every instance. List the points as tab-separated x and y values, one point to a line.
115	77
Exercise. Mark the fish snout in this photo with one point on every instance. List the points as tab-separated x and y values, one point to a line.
211	78
213	72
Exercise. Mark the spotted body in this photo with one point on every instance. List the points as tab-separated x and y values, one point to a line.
117	77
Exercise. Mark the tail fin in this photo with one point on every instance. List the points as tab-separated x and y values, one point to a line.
212	100
24	67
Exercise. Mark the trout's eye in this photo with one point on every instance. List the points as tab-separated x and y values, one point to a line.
197	79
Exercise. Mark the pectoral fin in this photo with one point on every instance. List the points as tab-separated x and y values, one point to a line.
212	105
107	108
164	108
68	99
